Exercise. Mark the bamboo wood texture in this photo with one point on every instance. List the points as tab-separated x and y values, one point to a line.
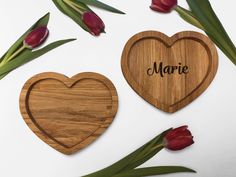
169	72
68	113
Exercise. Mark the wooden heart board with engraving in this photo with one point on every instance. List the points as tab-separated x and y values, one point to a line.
68	113
169	72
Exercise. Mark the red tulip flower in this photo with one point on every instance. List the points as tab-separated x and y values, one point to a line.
93	22
36	37
178	139
163	6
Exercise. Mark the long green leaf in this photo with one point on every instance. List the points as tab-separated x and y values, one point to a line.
3	57
209	13
81	5
126	161
101	5
222	47
151	171
28	55
188	17
59	6
205	14
118	166
41	22
4	75
142	160
71	13
152	149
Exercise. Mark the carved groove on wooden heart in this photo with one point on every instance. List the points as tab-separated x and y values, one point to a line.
172	91
68	113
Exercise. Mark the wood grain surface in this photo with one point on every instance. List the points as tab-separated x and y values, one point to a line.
169	72
68	113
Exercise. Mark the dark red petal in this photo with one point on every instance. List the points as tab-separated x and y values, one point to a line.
169	3
96	32
155	1
179	143
184	133
164	6
36	37
173	133
161	8
94	23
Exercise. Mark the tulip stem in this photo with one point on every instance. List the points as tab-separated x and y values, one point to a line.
6	60
158	146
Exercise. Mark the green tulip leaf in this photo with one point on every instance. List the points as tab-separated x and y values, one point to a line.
118	166
151	171
101	5
208	12
28	55
205	14
4	75
79	5
128	161
58	5
139	161
152	149
41	22
71	13
188	17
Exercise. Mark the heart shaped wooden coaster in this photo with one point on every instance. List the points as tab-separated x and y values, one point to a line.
68	113
169	72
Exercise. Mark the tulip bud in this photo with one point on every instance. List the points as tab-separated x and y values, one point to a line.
178	139
36	37
163	6
93	22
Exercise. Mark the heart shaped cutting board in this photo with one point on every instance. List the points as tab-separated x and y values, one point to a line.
68	113
169	72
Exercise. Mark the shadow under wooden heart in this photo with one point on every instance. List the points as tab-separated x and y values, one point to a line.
146	53
68	113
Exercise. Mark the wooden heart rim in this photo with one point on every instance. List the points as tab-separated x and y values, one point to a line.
169	42
74	126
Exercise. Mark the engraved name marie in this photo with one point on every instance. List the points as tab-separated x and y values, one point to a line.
167	69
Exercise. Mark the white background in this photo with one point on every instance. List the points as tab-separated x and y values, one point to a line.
211	117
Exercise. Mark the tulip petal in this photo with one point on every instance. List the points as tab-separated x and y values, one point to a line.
164	6
178	138
93	22
179	143
184	133
159	8
36	37
169	3
171	134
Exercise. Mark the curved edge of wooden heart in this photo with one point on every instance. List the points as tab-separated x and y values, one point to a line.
213	67
69	82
